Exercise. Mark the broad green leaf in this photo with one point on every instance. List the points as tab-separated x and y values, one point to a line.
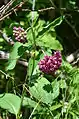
38	28
47	40
44	38
43	90
10	102
39	93
14	55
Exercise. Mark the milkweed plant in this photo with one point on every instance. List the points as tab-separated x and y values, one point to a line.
37	82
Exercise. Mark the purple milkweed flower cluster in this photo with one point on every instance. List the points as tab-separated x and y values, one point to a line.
50	64
20	34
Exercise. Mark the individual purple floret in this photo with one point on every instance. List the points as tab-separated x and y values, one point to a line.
19	33
50	64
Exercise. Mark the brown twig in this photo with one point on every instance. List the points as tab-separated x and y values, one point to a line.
6	7
14	9
45	9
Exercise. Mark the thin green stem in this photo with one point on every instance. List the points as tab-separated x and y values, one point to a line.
7	76
22	98
34	109
33	34
23	91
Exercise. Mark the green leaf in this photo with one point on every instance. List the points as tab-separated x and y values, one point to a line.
76	112
75	75
55	23
58	116
14	55
66	66
31	66
33	16
31	103
10	102
47	40
54	107
38	92
55	86
43	90
44	38
73	115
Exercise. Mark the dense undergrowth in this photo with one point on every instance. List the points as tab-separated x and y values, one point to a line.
36	81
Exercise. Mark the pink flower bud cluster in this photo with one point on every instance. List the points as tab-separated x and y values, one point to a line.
19	33
50	64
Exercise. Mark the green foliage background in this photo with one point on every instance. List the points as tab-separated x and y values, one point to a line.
25	92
